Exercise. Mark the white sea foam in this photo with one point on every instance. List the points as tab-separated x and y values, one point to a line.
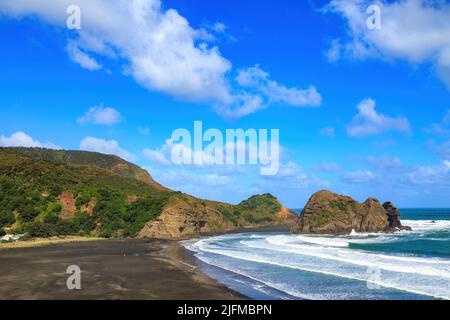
419	285
332	256
349	256
324	241
277	286
427	225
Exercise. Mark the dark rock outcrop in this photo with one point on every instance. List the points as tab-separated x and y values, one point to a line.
330	213
394	217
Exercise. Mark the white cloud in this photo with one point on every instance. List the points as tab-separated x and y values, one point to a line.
384	162
430	175
417	31
291	176
101	115
160	50
256	79
441	149
359	176
327	167
178	179
80	57
442	128
327	132
159	46
21	139
334	52
105	146
156	156
369	122
213	186
219	27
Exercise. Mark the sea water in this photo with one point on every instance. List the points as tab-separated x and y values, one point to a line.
403	265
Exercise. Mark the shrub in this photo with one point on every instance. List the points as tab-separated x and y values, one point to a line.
39	230
6	218
51	219
55	208
28	214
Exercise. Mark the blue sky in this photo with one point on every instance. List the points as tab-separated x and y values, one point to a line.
361	112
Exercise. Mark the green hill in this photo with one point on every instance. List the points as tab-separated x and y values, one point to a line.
46	193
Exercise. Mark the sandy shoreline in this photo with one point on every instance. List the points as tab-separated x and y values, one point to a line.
45	242
111	269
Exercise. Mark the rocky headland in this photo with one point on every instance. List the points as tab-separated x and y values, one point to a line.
330	213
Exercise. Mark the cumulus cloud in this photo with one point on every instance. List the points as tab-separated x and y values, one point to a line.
111	147
258	84
160	50
417	31
100	115
369	122
21	139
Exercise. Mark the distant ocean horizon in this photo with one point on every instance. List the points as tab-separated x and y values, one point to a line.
374	266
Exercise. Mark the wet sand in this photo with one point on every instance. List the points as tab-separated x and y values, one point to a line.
111	270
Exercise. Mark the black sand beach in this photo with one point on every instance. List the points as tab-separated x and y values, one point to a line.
111	269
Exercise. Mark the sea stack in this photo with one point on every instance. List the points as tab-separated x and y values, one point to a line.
330	213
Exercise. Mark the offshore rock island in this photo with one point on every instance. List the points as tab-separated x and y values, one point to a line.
330	213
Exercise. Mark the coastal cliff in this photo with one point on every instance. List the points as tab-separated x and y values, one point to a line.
183	217
46	193
330	213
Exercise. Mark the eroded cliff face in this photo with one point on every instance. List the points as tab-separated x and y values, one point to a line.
186	217
180	220
330	213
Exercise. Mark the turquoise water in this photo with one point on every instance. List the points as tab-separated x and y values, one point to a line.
404	265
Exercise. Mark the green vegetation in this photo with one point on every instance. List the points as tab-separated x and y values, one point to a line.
45	193
231	214
322	218
259	209
342	204
32	181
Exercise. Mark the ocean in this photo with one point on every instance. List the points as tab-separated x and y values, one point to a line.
372	266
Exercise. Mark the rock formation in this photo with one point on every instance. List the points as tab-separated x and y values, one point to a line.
330	213
184	217
394	217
